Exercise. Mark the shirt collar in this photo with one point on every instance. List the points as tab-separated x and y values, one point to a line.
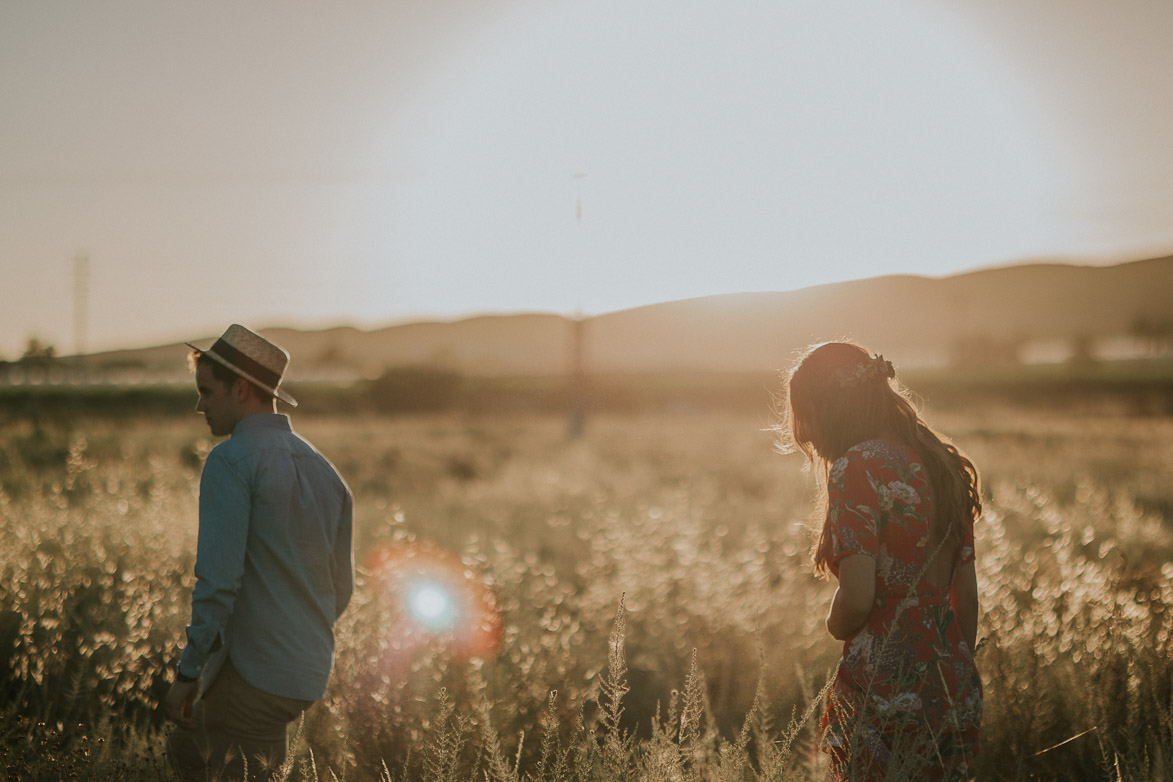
259	421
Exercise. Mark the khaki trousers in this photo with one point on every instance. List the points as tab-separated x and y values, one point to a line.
237	728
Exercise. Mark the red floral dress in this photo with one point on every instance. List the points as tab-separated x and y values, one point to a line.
907	694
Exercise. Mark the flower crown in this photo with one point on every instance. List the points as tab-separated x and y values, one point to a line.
876	366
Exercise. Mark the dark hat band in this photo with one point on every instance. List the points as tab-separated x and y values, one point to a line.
245	363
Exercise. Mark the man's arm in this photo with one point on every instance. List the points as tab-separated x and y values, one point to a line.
344	557
224	518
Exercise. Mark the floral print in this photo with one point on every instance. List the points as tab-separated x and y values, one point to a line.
907	689
897	492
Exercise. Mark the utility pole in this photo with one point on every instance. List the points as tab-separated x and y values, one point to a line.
578	377
81	307
578	372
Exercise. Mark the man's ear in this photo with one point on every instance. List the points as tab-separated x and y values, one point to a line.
240	389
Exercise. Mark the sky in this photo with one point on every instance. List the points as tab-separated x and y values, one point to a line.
294	163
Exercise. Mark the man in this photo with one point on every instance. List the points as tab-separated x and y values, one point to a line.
274	570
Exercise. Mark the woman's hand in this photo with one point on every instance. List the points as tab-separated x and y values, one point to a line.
855	596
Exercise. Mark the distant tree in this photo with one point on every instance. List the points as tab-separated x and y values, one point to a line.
1140	329
38	352
1083	349
416	389
331	355
986	350
1152	335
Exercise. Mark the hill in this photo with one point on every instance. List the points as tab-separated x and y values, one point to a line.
988	314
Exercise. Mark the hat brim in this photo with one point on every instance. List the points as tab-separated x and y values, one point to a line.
277	392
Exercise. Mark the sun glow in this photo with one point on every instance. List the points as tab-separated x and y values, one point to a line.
431	597
432	606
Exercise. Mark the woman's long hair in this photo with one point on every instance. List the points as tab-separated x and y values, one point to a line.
839	396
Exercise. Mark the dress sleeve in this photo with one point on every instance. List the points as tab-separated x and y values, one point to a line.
853	510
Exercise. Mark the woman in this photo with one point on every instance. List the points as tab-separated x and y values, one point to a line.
899	503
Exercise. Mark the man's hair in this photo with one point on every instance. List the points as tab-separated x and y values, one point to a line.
223	374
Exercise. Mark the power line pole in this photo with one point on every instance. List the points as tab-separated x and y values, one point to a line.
578	371
81	304
578	377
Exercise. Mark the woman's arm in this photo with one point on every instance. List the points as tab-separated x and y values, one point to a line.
963	595
855	596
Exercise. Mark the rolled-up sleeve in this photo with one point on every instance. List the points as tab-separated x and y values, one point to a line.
223	534
344	556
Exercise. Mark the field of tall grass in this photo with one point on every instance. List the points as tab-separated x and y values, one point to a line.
633	604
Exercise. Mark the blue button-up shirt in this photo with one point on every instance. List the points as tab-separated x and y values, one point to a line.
274	562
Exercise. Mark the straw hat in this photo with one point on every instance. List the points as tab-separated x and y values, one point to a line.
253	357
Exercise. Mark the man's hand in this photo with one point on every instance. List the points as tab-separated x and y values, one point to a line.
177	705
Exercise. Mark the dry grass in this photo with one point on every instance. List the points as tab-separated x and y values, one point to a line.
711	667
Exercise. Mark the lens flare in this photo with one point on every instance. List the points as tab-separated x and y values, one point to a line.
435	598
432	606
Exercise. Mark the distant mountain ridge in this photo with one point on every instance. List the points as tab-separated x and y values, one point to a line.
910	319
